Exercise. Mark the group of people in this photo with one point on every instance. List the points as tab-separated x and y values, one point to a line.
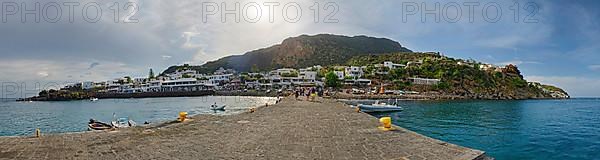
309	92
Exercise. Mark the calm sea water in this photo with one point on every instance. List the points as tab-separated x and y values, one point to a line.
529	129
21	118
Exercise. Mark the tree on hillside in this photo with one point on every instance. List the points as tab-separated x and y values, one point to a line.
331	80
43	93
129	80
151	74
254	69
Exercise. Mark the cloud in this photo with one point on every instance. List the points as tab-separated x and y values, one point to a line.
190	42
43	74
93	65
594	67
575	86
49	70
166	57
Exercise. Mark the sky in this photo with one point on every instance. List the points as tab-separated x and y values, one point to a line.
553	42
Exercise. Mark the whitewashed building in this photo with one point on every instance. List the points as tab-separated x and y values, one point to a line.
221	70
179	74
393	65
358	82
339	74
87	85
218	79
425	81
308	75
282	71
355	72
183	85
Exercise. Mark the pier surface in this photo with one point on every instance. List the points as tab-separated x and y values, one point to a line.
288	130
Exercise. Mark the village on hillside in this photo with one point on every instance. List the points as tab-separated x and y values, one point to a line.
357	79
429	74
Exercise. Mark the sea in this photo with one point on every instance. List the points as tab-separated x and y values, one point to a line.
507	130
22	118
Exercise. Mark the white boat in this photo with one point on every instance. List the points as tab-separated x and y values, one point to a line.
379	107
122	122
93	99
215	107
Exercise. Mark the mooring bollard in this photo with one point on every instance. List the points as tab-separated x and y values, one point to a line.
386	123
38	133
182	116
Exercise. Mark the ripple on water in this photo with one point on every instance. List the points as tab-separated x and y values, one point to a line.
59	117
533	129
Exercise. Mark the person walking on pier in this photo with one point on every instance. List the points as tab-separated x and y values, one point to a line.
296	94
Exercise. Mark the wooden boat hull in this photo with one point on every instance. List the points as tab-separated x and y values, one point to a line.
99	126
221	108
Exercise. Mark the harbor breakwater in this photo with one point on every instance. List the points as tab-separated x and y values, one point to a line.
291	129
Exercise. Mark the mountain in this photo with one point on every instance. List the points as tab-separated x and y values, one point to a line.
303	51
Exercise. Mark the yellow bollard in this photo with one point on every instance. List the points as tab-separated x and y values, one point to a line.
38	133
386	123
182	116
357	109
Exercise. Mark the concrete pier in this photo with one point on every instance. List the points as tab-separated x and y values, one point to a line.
288	130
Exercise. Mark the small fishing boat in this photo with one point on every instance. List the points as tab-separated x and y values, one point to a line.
379	107
215	107
122	122
97	125
93	99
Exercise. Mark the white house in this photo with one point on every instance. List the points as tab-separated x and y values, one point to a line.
358	82
139	80
221	70
152	86
282	71
219	79
355	72
87	85
419	62
180	74
308	75
486	66
393	65
424	81
339	74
